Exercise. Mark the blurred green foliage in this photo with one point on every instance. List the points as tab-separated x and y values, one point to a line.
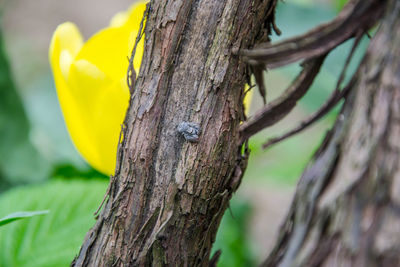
233	237
340	4
20	162
337	4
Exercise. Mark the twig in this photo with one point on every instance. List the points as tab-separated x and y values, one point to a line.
214	260
329	104
249	89
356	42
258	72
131	75
357	15
96	213
280	107
130	79
335	97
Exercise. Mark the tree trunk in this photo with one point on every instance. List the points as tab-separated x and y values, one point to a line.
346	210
171	188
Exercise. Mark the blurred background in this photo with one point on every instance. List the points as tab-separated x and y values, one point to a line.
41	170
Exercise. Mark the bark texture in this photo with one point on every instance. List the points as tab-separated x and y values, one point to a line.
346	211
168	195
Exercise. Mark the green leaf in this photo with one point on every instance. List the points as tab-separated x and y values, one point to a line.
67	170
20	215
52	240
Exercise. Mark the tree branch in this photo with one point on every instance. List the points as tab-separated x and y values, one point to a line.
168	194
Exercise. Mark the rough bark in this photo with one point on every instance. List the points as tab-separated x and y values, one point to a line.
168	195
346	210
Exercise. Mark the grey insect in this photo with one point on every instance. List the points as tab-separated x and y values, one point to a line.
190	131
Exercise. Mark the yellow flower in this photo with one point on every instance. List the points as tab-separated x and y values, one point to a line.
91	83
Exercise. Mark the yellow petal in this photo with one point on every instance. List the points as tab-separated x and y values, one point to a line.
119	19
65	63
94	94
103	104
130	18
65	44
91	84
66	37
247	100
110	48
110	110
109	51
86	81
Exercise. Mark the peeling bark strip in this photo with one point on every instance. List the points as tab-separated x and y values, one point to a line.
279	108
355	19
335	97
357	16
168	195
346	211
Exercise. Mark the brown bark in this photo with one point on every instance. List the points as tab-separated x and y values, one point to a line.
346	210
168	195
